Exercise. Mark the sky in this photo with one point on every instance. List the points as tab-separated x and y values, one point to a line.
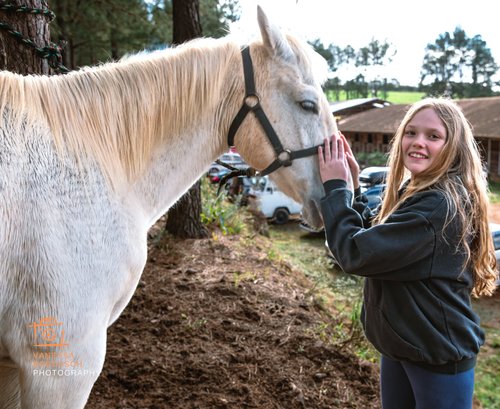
408	26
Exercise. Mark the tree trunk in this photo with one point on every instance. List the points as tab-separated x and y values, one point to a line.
19	57
186	20
184	219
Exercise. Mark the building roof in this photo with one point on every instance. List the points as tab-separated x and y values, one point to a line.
352	106
482	113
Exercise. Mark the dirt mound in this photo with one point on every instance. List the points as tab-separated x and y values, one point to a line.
215	324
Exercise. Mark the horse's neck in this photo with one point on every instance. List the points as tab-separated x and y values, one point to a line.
174	169
187	153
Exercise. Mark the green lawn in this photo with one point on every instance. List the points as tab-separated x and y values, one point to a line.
394	97
401	97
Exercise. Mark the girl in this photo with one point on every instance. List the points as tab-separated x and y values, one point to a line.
425	252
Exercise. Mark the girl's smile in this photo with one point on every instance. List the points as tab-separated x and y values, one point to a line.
423	140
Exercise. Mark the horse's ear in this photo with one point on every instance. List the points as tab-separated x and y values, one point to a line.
273	38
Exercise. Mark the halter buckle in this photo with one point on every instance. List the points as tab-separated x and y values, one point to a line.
285	158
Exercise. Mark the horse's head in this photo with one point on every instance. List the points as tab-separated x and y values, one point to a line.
287	84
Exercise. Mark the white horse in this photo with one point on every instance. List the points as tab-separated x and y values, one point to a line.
91	159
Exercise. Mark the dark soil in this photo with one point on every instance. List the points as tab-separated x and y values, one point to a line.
215	324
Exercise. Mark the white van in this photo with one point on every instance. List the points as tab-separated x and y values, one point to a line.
272	202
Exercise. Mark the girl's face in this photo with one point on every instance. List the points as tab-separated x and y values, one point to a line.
423	140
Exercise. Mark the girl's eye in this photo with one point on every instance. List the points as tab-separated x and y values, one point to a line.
309	106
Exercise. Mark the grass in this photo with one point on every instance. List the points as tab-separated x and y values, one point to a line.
337	293
394	97
488	365
402	97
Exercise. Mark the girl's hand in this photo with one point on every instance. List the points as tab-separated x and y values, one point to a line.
333	162
351	160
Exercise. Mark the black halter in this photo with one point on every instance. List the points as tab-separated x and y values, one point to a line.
251	103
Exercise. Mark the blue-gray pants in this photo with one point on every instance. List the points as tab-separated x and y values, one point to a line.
407	386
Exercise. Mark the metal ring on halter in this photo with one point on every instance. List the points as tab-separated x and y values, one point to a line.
285	161
251	100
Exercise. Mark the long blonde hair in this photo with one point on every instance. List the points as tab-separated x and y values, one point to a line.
458	173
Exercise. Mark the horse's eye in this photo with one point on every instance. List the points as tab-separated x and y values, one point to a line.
310	106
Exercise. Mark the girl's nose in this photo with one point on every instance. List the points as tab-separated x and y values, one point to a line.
419	141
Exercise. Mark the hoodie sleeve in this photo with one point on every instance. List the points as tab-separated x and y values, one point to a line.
399	249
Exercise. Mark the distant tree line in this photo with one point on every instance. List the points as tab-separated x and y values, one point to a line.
455	65
94	31
458	65
365	61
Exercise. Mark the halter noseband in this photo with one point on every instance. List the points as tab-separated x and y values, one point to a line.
251	103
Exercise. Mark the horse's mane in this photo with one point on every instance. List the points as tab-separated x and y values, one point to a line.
116	113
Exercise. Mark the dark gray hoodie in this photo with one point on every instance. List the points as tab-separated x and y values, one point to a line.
417	295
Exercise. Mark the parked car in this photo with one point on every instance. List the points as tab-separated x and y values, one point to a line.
495	234
374	195
373	175
272	202
216	171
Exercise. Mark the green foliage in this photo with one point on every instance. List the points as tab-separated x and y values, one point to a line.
106	30
218	212
371	159
488	362
449	63
193	324
215	17
334	55
375	53
452	59
494	192
100	31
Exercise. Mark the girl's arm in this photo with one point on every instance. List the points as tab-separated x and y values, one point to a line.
399	249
